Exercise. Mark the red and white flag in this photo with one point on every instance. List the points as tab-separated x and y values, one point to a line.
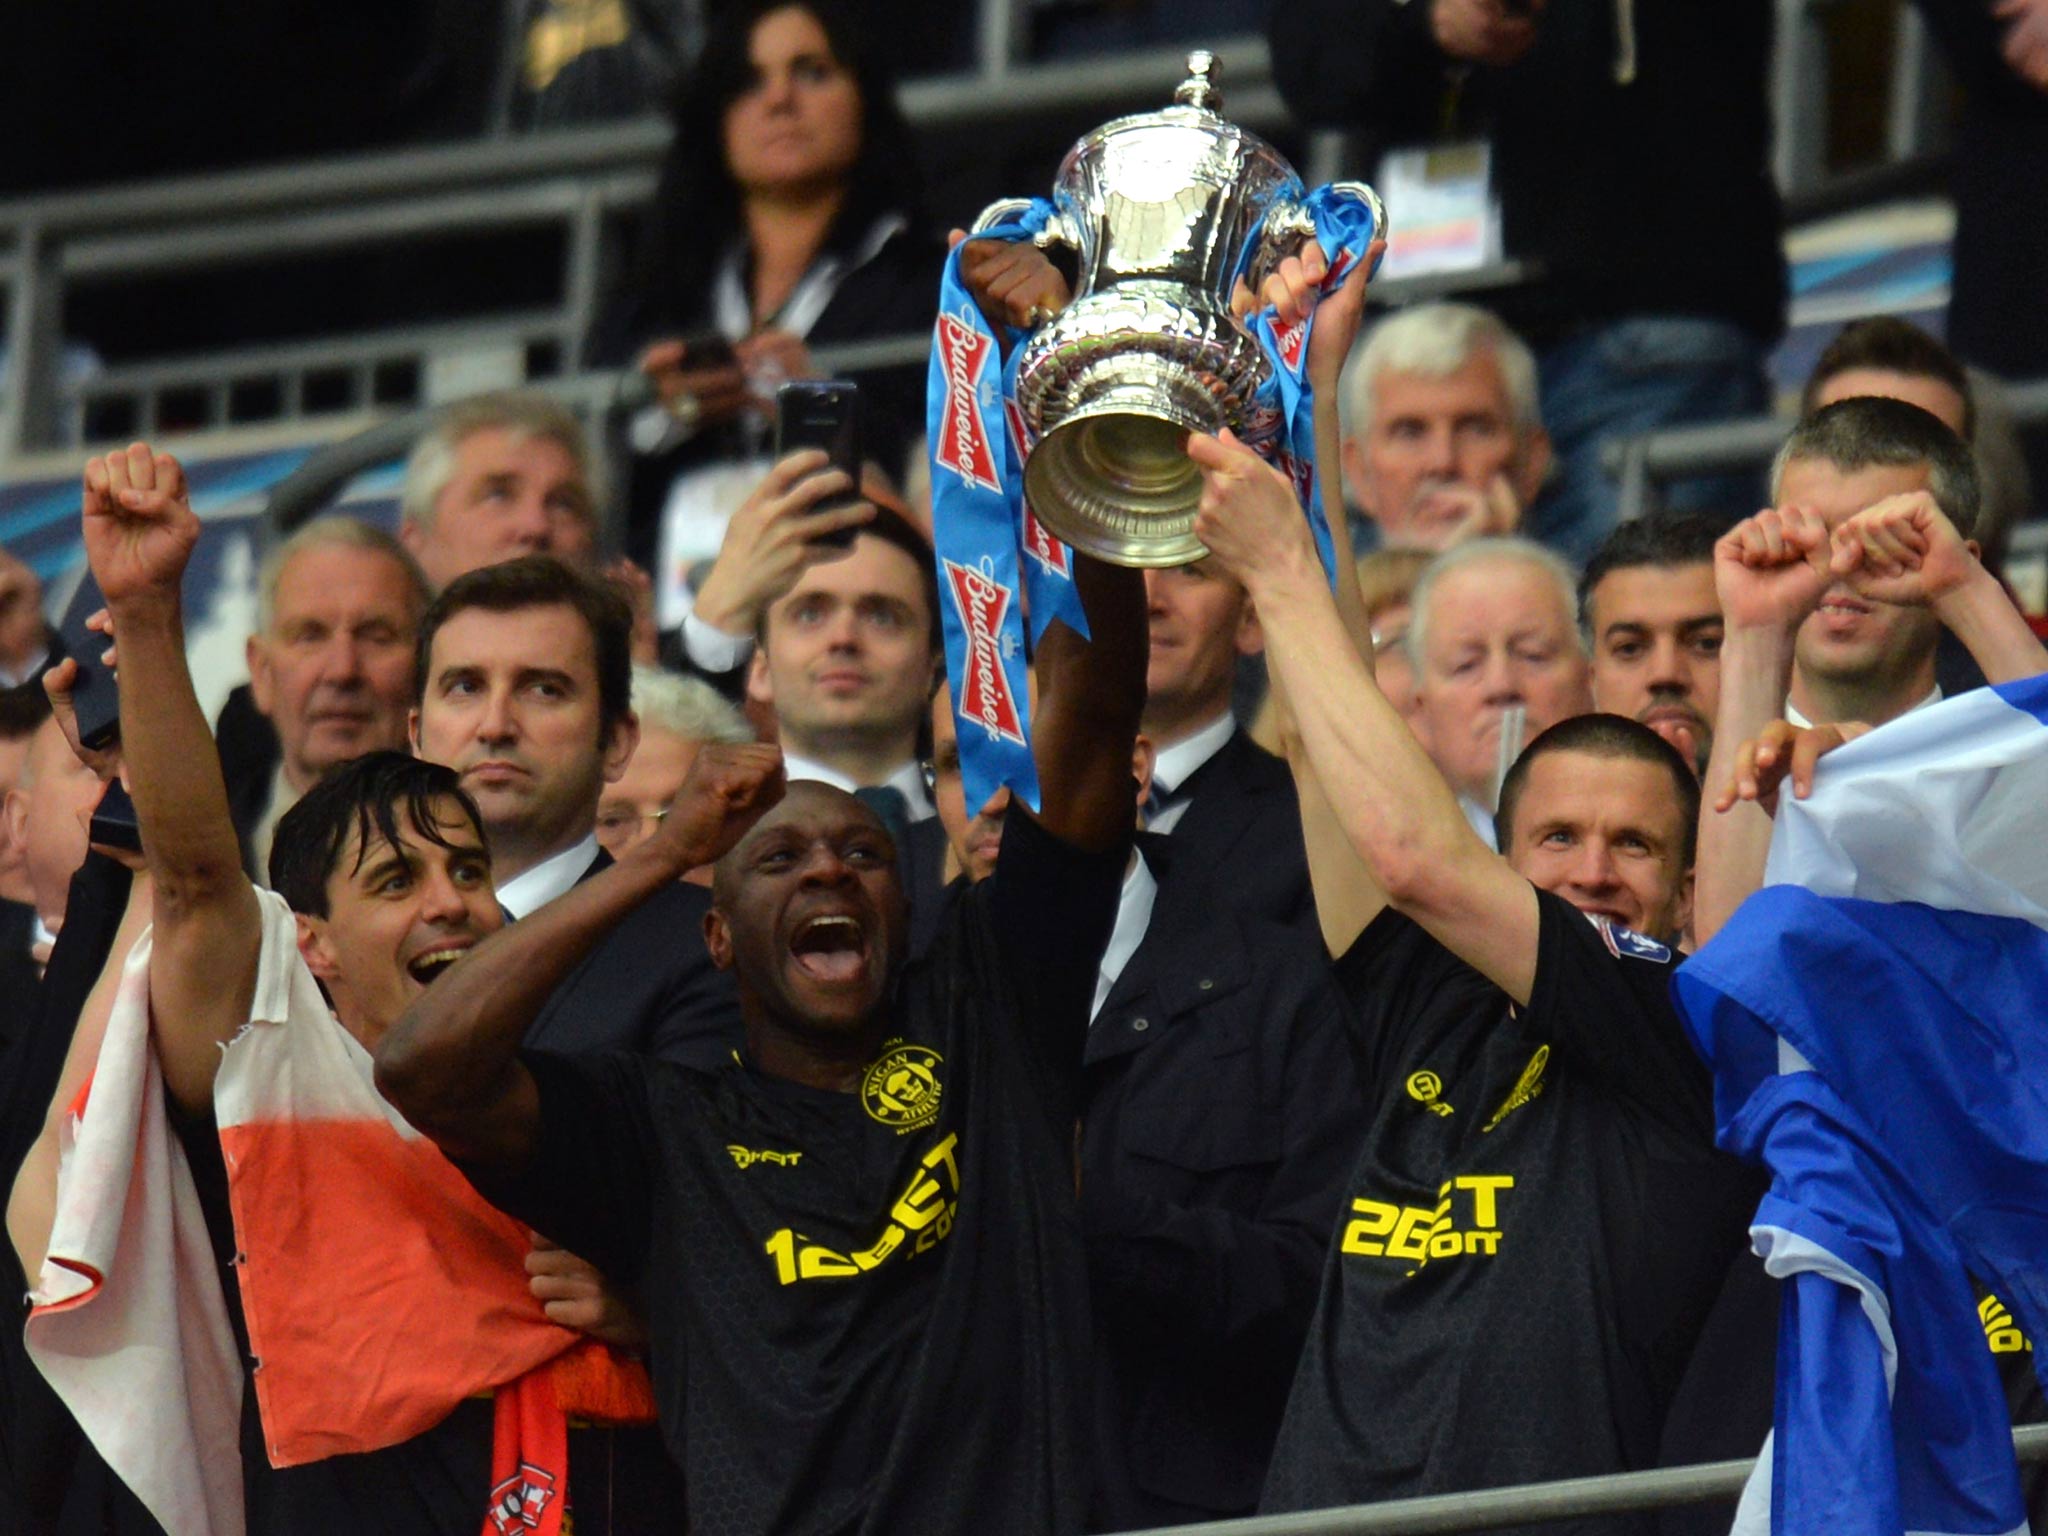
378	1288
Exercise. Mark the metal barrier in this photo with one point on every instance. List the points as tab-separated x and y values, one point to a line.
593	395
1647	460
1527	1503
576	181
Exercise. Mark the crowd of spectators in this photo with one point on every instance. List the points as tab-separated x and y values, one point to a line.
564	1052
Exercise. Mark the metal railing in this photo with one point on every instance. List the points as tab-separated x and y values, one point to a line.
1644	462
575	182
1527	1503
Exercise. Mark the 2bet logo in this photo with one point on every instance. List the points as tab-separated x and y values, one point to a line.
962	444
986	697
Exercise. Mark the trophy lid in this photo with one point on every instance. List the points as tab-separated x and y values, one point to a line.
1200	88
1195	110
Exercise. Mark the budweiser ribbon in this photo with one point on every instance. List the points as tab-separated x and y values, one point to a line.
1281	423
995	559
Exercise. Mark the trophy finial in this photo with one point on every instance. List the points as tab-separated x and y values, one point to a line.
1200	88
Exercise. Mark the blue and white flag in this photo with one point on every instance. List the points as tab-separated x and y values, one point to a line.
1875	1021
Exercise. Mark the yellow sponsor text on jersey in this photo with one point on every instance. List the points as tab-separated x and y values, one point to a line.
921	1219
1465	1220
2001	1332
747	1157
1427	1089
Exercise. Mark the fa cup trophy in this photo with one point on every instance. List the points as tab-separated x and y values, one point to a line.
1163	212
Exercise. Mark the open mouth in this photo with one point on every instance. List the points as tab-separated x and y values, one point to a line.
1672	714
830	949
423	968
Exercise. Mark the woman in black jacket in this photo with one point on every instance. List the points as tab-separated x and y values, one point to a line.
789	218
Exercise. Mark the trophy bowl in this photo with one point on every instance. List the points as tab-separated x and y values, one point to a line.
1161	211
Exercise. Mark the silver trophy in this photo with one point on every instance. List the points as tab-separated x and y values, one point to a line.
1157	208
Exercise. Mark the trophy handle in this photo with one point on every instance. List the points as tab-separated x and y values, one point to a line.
1058	231
1289	226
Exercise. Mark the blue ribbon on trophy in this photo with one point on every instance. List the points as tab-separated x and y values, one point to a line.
1148	348
989	546
1285	404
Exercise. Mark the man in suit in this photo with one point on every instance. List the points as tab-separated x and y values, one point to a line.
524	678
23	709
1493	630
330	664
825	619
825	623
1653	623
1443	438
496	476
678	715
26	643
1216	1132
1228	803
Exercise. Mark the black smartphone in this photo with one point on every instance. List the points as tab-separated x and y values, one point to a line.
114	823
823	413
93	695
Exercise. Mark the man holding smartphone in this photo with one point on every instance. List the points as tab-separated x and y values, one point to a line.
837	642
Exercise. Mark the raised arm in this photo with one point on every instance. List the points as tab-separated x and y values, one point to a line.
1905	550
451	1064
1392	803
1090	695
1347	897
139	534
1769	572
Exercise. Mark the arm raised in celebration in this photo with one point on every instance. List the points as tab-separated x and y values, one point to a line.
451	1064
140	530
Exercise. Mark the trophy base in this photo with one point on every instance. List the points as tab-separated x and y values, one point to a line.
1114	479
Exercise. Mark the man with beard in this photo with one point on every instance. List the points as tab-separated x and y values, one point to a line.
1647	606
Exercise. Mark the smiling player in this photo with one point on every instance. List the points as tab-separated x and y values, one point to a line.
384	875
858	1239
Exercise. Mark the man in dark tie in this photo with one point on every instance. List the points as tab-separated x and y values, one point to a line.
1227	803
525	678
836	643
1217	1124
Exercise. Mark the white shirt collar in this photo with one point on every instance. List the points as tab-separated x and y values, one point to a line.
1179	762
525	894
1481	820
907	779
1133	917
264	834
28	671
1793	716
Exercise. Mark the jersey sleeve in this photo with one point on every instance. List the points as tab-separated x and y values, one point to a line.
1052	907
590	1184
1602	997
1048	910
1393	975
